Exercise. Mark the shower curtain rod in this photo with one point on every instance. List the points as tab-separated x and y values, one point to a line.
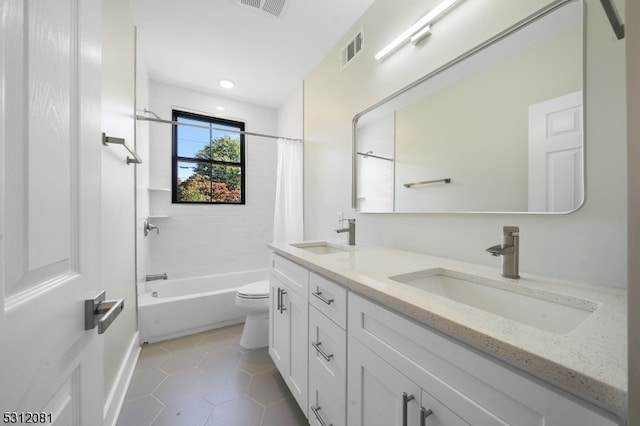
157	119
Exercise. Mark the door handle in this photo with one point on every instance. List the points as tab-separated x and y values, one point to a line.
100	312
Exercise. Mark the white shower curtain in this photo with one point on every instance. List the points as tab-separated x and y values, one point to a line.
287	223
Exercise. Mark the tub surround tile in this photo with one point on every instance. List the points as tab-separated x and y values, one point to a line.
590	360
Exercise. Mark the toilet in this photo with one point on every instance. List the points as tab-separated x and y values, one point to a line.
253	299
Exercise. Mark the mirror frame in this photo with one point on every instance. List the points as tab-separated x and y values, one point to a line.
473	51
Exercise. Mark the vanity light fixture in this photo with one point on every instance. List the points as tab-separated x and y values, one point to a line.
417	31
227	84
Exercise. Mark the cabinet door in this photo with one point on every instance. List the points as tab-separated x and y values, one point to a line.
296	310
376	390
278	329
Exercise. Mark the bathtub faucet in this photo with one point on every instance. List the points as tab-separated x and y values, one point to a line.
154	277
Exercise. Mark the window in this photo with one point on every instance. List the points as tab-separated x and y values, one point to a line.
208	160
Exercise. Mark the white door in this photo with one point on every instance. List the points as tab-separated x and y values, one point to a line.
555	154
50	144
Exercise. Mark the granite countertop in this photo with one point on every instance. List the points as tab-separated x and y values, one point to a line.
590	360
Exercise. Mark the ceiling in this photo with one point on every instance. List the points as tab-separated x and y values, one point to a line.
197	43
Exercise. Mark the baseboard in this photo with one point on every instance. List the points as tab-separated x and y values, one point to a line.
115	399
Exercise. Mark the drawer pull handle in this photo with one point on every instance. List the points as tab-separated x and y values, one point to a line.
424	413
316	345
319	295
318	416
405	401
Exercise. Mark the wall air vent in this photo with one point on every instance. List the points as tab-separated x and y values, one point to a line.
351	50
270	7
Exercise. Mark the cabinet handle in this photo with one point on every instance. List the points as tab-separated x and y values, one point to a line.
318	416
279	299
316	345
318	294
282	293
405	401
424	413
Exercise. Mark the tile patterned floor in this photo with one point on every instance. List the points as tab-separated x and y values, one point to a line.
208	379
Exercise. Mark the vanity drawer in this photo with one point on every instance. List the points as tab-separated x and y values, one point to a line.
328	353
291	274
478	388
329	298
324	408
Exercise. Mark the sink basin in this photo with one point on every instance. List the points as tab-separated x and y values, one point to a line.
320	247
538	308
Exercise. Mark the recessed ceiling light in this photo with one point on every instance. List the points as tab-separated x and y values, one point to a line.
227	84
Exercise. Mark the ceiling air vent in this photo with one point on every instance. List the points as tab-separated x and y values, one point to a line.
271	7
351	50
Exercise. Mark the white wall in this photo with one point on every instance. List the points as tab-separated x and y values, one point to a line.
210	239
290	115
118	187
587	246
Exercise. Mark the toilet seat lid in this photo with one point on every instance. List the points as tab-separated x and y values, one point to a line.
256	290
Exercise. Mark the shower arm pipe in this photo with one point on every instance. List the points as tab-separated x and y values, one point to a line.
157	119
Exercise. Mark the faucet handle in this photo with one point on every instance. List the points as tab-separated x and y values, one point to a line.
348	220
510	230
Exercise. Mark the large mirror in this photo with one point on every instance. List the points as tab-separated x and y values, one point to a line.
499	129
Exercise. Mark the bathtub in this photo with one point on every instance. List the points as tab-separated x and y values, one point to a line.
174	308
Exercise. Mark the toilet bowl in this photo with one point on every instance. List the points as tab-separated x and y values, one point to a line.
253	299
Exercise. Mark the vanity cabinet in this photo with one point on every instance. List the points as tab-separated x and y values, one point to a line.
458	384
351	361
288	328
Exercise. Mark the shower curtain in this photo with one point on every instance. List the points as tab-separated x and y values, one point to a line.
287	223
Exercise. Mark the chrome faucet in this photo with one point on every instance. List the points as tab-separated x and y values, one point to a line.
509	250
351	229
155	277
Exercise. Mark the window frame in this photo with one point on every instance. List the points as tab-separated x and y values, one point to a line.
175	159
